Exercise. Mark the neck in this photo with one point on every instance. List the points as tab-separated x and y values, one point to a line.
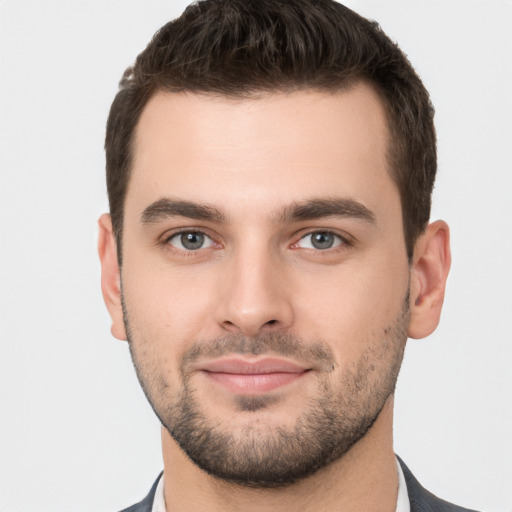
365	478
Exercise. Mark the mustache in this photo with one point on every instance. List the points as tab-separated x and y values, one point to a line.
316	353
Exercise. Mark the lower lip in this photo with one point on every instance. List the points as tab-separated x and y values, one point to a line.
251	384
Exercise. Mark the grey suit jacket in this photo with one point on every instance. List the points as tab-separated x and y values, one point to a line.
421	500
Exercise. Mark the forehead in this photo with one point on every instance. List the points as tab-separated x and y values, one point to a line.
272	149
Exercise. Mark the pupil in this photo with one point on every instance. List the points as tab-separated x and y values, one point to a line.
192	240
322	240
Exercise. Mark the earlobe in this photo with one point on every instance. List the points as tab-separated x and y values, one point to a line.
110	275
430	267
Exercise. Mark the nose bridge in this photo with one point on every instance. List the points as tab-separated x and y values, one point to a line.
253	297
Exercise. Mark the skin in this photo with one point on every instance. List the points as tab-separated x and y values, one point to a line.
252	160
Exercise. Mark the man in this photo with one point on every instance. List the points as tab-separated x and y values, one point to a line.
270	166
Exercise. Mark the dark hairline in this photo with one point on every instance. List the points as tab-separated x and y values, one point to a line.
237	49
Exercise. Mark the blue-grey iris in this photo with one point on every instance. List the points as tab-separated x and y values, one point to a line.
192	241
322	240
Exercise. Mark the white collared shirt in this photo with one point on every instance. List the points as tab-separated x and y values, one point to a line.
159	501
402	503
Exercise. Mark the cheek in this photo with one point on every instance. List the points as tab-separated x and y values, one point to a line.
165	304
164	316
351	306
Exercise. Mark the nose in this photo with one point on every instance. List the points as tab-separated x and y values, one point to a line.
254	296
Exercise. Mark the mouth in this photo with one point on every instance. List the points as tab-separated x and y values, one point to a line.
253	377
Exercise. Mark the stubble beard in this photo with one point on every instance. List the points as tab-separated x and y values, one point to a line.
269	456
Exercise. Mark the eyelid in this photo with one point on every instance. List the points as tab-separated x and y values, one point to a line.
344	240
175	233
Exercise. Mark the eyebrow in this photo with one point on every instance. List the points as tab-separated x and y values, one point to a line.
326	207
167	208
295	212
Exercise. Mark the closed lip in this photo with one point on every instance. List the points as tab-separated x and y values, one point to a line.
240	366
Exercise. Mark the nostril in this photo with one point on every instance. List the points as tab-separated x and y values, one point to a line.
271	322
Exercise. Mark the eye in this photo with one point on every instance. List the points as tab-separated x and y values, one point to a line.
190	241
320	240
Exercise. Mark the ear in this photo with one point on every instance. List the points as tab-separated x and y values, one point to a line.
110	275
430	267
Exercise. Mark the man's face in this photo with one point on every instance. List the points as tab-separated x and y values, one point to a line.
265	277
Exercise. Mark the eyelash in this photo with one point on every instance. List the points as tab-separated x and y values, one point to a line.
185	231
344	242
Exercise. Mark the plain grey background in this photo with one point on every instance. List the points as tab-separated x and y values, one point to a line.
76	433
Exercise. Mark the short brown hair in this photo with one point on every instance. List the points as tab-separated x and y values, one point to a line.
239	48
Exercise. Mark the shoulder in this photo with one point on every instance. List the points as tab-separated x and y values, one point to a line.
146	504
424	501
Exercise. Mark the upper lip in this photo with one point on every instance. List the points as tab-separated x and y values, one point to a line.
239	366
